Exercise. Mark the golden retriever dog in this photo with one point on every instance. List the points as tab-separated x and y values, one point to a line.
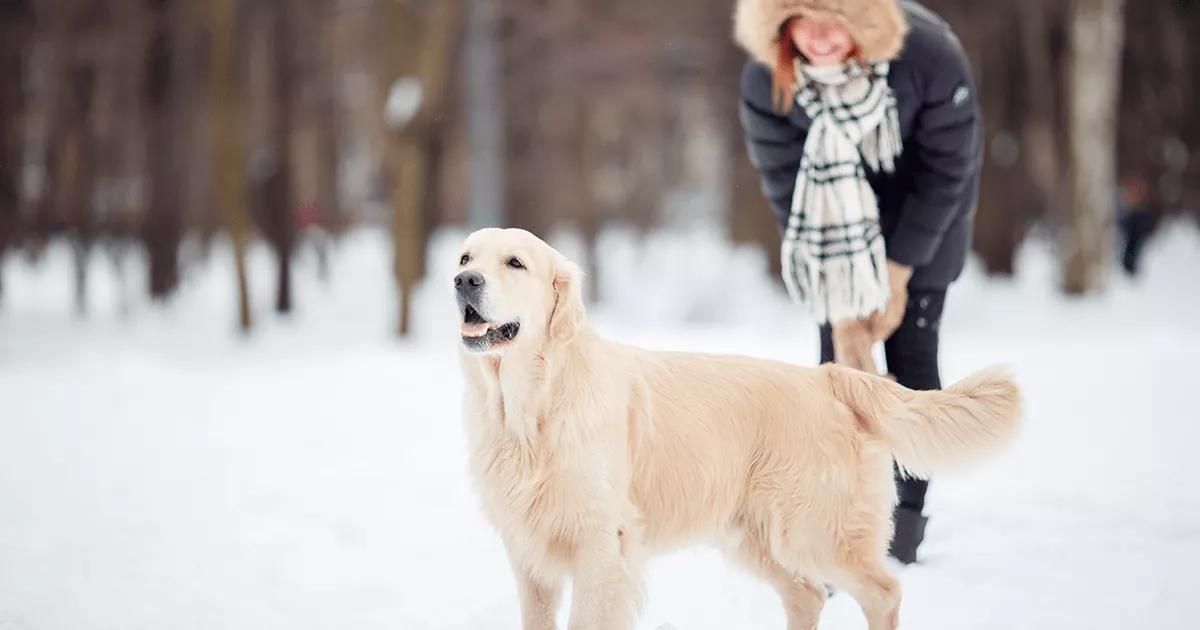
590	455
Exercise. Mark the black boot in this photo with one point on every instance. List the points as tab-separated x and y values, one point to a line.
910	531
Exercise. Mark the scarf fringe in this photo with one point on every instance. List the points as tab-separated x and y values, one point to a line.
845	287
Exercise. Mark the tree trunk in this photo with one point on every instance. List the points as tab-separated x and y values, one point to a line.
997	75
230	166
162	229
412	150
524	95
189	117
15	25
1191	126
72	145
485	116
280	226
130	166
315	144
751	219
74	172
1042	157
408	168
1096	34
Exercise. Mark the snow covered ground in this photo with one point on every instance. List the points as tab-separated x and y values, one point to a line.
158	472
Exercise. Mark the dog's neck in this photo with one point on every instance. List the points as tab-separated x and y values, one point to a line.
520	384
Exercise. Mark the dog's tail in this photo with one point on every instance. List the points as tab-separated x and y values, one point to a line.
930	431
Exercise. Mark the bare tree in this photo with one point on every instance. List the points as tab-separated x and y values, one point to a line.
1039	119
278	202
230	154
1005	100
162	228
70	138
524	46
316	132
15	26
485	115
1154	112
422	38
1191	128
751	219
1096	36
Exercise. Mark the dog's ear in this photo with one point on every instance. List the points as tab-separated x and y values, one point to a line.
567	317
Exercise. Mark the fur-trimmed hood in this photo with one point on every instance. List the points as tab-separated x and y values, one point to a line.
877	26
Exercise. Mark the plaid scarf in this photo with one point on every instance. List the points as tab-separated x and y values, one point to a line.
833	254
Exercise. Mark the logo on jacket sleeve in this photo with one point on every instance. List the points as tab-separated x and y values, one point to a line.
961	95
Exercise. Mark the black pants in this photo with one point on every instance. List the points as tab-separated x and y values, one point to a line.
911	354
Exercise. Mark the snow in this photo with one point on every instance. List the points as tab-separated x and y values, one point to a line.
159	471
403	102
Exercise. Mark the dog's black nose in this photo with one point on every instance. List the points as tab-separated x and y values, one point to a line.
468	281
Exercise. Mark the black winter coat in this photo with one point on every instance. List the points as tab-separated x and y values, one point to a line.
926	206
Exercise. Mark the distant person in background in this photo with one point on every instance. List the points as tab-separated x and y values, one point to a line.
1136	219
861	119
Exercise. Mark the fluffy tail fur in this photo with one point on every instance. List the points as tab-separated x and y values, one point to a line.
933	430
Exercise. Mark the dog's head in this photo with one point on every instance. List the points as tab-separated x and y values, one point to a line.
514	290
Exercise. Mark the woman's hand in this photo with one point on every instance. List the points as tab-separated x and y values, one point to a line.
853	338
884	323
852	343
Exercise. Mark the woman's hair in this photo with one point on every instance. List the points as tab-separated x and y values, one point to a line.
783	77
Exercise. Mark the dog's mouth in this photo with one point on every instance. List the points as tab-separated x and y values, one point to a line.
480	334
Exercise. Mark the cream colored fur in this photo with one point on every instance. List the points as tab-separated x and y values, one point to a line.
590	455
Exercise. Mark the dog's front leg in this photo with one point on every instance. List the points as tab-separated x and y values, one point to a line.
606	588
539	595
539	602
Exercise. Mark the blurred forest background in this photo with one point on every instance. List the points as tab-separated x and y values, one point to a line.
152	128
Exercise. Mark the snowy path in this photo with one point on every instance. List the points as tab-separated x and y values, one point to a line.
159	476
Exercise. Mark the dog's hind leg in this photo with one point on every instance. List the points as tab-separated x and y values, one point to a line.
801	598
875	590
860	570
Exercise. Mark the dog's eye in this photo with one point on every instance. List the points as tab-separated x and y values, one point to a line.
515	264
466	258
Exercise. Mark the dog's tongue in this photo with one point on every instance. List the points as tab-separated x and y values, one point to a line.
470	329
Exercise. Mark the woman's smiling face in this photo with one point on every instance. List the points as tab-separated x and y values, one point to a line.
823	43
